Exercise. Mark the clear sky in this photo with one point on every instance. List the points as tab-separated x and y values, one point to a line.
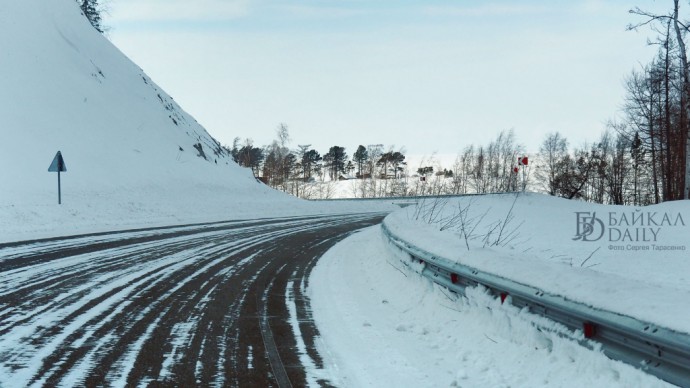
427	75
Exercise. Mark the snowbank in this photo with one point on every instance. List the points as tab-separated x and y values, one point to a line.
383	326
546	245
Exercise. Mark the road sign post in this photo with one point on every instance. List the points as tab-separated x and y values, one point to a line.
523	161
58	165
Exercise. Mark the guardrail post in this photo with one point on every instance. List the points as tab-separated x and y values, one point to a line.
589	329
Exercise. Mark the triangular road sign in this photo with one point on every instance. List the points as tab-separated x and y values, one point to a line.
58	164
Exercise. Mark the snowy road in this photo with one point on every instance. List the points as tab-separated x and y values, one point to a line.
194	305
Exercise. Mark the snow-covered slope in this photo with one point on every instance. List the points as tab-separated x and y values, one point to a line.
132	154
65	87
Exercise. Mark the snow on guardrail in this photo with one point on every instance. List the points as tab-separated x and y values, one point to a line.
659	351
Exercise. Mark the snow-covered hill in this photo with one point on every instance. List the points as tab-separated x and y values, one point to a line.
66	87
133	155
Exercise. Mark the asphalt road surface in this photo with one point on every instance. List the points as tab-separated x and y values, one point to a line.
218	304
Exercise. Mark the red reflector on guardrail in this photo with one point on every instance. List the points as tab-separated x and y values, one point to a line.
454	278
590	329
504	295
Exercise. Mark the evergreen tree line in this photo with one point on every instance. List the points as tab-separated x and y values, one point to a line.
297	171
374	171
615	169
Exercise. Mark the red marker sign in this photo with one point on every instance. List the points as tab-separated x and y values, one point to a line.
522	161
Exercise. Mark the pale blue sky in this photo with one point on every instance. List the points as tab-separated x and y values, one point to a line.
432	76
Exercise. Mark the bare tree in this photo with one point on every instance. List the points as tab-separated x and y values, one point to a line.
683	149
552	151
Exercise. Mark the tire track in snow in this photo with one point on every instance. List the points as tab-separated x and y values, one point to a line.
42	333
176	306
81	267
133	320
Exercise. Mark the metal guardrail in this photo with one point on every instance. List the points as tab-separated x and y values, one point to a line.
656	350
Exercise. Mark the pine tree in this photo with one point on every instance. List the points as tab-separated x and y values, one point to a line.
391	161
310	163
335	160
91	10
360	157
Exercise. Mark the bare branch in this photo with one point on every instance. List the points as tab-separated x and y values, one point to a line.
589	257
650	18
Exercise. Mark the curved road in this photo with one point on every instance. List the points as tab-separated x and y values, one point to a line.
217	304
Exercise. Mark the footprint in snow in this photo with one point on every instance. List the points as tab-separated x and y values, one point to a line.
402	327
